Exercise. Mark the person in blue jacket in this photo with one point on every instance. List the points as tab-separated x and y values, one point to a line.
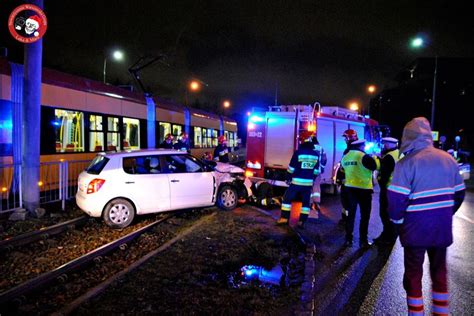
425	192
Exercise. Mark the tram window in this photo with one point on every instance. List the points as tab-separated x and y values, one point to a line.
204	138
214	138
165	128
131	131
113	135
230	136
96	134
197	137
177	130
6	128
69	130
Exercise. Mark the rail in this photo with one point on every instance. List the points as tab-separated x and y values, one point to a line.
57	182
44	279
30	237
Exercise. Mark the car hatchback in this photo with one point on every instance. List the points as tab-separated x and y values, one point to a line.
118	186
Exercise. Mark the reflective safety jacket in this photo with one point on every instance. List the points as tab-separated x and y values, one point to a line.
358	167
304	165
387	165
426	190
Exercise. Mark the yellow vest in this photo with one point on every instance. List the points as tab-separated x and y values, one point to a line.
357	175
396	157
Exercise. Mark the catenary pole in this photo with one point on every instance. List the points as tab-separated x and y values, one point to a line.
31	121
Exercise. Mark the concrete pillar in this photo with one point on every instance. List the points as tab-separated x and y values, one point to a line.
31	121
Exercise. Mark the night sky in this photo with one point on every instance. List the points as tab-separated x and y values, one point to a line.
326	51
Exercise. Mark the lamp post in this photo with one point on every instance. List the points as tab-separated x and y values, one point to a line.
418	42
117	55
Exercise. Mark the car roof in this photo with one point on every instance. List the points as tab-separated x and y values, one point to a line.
143	152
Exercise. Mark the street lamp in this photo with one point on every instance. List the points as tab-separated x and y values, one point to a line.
371	89
226	104
418	42
117	55
354	106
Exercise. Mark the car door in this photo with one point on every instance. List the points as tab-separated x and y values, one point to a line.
145	183
191	185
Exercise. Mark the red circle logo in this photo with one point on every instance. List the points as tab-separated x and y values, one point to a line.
27	23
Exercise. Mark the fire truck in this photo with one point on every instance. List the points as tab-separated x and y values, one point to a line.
272	138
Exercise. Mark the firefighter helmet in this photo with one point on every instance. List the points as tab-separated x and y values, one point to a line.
221	139
350	135
306	136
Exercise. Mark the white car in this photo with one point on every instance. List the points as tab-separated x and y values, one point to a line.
118	186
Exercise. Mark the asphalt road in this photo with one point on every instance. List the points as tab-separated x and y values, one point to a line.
386	295
354	281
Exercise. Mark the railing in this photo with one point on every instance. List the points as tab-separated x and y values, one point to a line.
57	182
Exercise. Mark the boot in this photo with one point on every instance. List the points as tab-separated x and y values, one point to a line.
282	221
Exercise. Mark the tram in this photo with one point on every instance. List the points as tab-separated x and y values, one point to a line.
81	117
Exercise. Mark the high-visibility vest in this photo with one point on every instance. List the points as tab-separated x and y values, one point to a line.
357	175
396	157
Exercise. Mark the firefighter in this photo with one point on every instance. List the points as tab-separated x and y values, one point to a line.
425	192
221	153
168	142
316	191
358	168
183	143
302	168
390	156
350	136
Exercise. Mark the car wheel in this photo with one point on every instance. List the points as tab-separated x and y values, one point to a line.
227	198
118	213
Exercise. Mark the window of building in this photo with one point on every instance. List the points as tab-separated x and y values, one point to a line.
131	131
113	133
197	137
96	133
69	131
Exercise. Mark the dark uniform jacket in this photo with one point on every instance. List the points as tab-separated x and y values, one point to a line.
183	146
221	153
304	165
166	145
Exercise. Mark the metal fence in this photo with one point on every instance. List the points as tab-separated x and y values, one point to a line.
57	182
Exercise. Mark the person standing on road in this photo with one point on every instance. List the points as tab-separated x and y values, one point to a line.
350	136
390	156
316	191
168	142
221	153
183	143
302	168
358	168
425	192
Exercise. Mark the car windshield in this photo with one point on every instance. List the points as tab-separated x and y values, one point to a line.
97	164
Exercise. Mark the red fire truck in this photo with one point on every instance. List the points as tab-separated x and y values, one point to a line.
272	137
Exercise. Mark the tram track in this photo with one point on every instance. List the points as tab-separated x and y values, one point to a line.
67	282
9	244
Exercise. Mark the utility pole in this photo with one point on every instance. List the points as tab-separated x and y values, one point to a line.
31	118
